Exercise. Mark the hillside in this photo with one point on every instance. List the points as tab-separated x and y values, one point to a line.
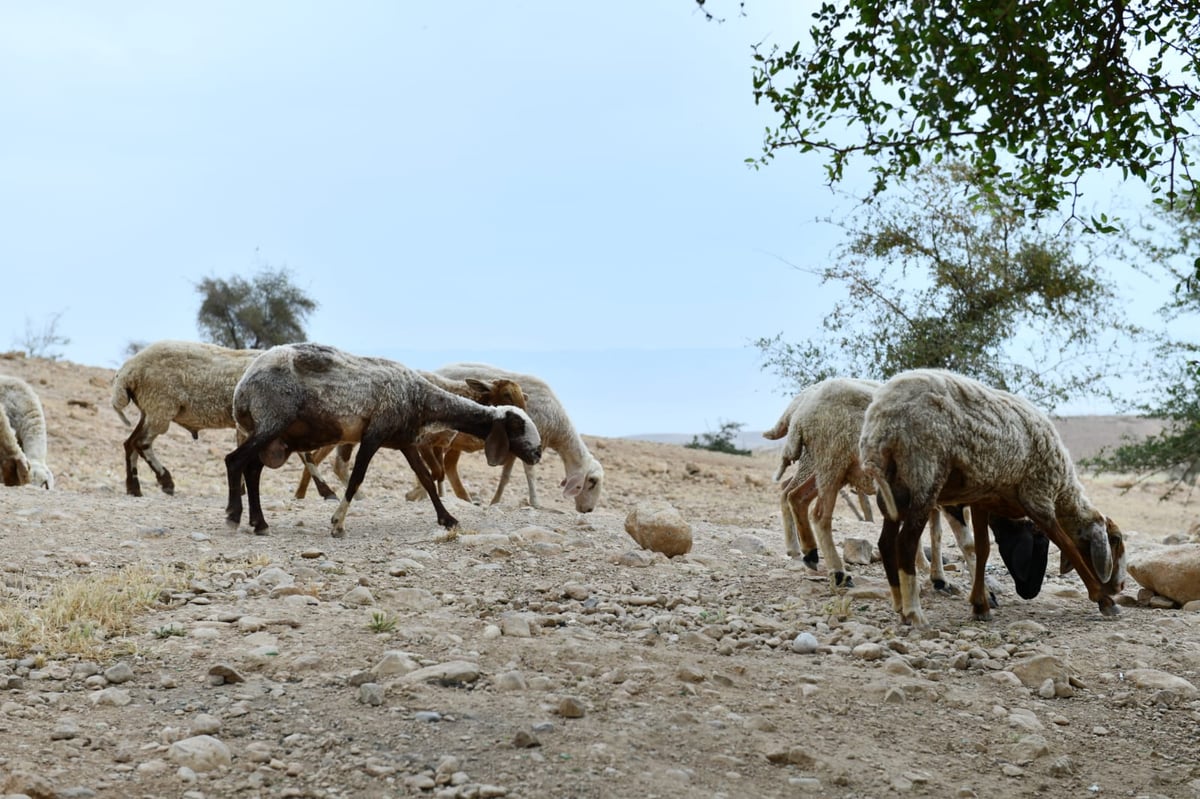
539	653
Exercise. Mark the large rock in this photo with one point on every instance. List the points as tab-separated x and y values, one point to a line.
657	526
1173	572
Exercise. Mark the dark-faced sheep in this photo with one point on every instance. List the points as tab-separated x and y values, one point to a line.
933	437
22	436
301	397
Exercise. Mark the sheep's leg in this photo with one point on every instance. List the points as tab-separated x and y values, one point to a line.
450	465
366	450
850	503
310	471
956	517
311	459
823	514
505	473
418	466
140	442
529	481
252	474
236	464
937	566
907	542
887	552
864	502
797	529
980	597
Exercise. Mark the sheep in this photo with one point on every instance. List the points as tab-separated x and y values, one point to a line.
822	424
931	437
440	445
22	436
584	475
186	382
300	397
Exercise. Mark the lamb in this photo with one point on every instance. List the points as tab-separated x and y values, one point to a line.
22	436
300	397
186	382
584	475
932	437
822	424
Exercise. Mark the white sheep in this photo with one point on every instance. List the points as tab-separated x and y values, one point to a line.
189	383
584	475
933	437
301	397
822	424
22	435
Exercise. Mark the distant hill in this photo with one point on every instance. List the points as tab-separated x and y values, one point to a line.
1083	435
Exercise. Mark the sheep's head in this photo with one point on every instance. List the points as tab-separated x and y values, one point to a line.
500	391
1102	542
40	475
584	485
513	432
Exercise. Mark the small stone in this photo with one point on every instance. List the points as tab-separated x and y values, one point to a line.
205	724
360	596
805	643
525	740
370	693
221	674
119	673
570	707
200	753
859	551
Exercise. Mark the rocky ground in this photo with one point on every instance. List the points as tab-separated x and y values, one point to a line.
540	654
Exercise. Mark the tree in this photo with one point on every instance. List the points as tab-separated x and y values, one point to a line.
1176	449
257	314
1032	95
939	273
721	441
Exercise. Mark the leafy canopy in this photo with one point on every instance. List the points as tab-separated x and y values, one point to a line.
939	274
255	314
1031	95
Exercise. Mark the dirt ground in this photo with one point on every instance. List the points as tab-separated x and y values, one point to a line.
537	654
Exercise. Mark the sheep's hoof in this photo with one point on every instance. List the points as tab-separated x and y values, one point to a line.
338	532
811	559
166	483
1108	607
841	580
992	601
916	619
232	522
981	614
260	527
133	489
946	587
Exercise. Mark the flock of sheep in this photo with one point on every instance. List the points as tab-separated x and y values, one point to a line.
929	443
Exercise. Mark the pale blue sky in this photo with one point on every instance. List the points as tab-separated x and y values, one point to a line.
552	187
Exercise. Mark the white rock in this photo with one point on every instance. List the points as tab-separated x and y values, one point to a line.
200	753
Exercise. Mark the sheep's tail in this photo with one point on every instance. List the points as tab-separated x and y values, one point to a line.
876	471
779	430
121	395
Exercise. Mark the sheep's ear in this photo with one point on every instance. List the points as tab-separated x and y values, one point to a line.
572	485
496	446
478	385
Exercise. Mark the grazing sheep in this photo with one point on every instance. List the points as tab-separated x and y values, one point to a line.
933	437
301	397
822	424
189	383
22	435
584	474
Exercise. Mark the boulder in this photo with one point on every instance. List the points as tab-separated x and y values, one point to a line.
659	527
1172	572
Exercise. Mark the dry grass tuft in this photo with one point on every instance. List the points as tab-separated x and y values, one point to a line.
83	616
